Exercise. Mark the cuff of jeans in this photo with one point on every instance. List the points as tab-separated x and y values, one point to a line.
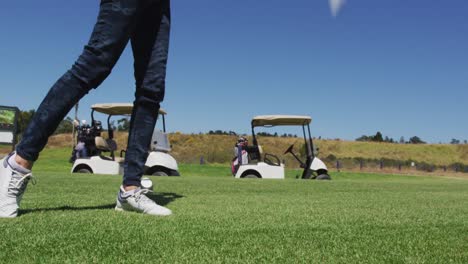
26	156
132	182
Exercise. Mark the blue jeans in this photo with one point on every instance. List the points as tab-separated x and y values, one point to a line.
146	24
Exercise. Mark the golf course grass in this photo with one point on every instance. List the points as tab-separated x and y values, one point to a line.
355	218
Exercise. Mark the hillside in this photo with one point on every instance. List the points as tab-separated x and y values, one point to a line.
219	149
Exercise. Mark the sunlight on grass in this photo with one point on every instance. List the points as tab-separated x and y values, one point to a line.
354	218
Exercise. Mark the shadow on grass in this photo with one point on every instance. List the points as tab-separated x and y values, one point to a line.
66	208
160	198
164	198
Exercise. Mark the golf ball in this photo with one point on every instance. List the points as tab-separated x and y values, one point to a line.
146	183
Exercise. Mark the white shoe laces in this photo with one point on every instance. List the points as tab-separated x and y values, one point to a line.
141	198
19	183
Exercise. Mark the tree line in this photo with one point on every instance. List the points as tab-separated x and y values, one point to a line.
262	134
378	137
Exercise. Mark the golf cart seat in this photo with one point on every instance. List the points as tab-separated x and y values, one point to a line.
255	153
160	142
108	145
105	145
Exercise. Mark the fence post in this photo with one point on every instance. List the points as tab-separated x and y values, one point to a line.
202	160
338	165
361	164
381	164
399	166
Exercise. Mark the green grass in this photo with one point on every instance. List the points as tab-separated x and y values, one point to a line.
356	218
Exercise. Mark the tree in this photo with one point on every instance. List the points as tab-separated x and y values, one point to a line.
363	138
402	140
416	140
265	134
218	132
123	124
378	137
65	126
455	141
24	119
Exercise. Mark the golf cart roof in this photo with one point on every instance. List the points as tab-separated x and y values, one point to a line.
280	120
117	109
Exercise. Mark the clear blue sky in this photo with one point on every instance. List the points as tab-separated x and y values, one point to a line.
395	66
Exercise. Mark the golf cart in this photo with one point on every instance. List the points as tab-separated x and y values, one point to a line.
269	166
158	163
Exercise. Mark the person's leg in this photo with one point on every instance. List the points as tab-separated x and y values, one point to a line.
150	44
115	23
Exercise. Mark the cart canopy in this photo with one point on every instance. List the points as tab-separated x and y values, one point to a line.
281	120
118	109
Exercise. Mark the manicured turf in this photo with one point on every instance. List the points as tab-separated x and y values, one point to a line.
356	218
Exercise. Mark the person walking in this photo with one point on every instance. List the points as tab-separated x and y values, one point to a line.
146	25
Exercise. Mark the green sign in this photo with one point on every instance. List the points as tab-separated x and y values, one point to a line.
7	119
8	125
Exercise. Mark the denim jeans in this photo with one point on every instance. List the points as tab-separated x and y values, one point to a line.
146	24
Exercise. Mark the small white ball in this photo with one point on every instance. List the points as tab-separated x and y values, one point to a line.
146	183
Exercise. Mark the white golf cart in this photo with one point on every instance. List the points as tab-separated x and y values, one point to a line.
269	166
158	163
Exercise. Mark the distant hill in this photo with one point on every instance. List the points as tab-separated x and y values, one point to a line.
219	149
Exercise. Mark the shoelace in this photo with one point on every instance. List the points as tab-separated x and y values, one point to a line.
19	182
140	196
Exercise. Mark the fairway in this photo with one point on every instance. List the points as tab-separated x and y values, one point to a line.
356	218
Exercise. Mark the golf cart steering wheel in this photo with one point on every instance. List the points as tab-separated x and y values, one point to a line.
267	161
289	149
274	162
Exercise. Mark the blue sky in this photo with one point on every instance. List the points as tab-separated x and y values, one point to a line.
399	66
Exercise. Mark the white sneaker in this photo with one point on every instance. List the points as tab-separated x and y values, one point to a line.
137	201
12	186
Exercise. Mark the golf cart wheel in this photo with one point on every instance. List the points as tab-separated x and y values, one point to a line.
323	177
160	173
251	176
308	175
83	170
